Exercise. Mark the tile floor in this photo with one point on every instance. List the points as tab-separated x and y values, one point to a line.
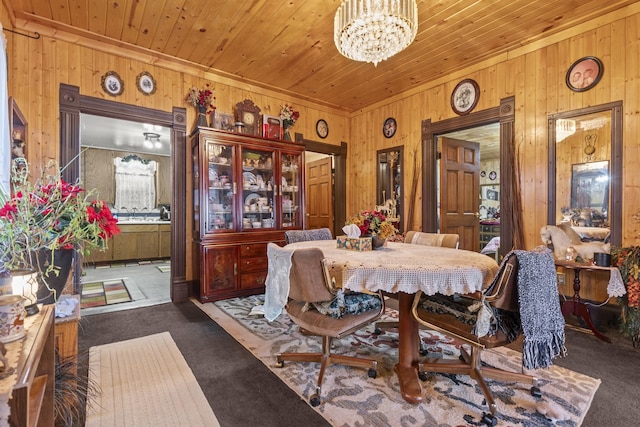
147	285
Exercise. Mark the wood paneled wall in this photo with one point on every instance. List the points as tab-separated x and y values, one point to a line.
536	77
38	67
533	74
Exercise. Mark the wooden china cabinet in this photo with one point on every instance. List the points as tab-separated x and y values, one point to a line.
246	192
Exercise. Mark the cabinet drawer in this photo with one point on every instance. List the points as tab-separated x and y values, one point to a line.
253	280
253	264
253	250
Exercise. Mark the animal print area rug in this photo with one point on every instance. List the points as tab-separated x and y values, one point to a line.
350	398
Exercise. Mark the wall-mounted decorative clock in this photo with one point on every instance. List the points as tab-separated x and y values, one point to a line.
465	96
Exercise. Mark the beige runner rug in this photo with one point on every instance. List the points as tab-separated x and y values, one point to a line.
145	382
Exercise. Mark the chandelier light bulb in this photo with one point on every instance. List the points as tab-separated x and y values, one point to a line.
374	30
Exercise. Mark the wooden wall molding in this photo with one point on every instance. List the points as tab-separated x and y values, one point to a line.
72	104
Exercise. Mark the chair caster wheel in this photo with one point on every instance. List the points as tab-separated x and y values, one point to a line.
489	419
377	331
536	392
423	376
372	373
423	351
279	363
314	400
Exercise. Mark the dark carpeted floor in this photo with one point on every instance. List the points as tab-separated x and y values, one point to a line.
242	391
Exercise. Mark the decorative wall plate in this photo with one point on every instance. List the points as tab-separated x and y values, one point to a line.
493	175
322	128
465	96
584	74
483	174
389	127
112	83
145	83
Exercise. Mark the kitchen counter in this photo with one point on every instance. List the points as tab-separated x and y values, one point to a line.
140	221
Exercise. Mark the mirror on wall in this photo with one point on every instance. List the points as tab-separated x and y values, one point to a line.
389	184
585	167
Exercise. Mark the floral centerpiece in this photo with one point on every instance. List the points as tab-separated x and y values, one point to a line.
202	99
288	116
48	216
628	262
373	223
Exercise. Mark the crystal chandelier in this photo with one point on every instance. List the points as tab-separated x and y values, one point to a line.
374	30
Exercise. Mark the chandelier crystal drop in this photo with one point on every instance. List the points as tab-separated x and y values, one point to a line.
374	30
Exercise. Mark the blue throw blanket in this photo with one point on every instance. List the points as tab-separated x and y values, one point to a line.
540	315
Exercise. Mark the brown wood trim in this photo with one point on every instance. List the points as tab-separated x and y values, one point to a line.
72	104
339	153
505	114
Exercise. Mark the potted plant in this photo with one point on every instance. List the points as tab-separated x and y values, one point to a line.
43	222
627	260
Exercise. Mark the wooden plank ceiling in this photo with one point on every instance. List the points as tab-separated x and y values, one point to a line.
288	44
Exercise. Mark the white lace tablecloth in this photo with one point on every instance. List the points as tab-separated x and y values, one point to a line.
408	268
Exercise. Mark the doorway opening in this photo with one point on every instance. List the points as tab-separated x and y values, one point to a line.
508	195
484	235
127	163
72	105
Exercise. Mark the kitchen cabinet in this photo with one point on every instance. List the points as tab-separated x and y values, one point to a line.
136	241
246	192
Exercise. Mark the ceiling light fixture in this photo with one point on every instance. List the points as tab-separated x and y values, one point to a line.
150	138
374	30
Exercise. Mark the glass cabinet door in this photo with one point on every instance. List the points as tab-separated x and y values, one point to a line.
258	189
291	191
221	204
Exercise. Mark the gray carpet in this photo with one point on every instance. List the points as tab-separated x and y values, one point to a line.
242	391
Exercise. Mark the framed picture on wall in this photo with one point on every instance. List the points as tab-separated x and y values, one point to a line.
584	74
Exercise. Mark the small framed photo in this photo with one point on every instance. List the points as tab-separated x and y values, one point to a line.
584	74
112	83
223	121
145	83
271	127
490	194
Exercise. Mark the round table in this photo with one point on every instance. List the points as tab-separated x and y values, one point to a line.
405	269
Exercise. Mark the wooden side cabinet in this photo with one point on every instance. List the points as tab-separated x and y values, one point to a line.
32	400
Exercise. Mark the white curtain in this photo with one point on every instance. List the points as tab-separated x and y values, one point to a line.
5	138
135	184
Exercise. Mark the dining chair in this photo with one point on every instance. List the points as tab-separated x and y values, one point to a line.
310	287
426	239
502	299
293	236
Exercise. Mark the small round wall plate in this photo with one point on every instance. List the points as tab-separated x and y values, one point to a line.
483	174
112	83
322	128
493	175
146	83
584	74
389	127
465	96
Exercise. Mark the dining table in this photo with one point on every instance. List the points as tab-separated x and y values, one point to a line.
404	269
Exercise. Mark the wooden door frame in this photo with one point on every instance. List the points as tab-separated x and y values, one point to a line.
72	104
505	114
339	153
